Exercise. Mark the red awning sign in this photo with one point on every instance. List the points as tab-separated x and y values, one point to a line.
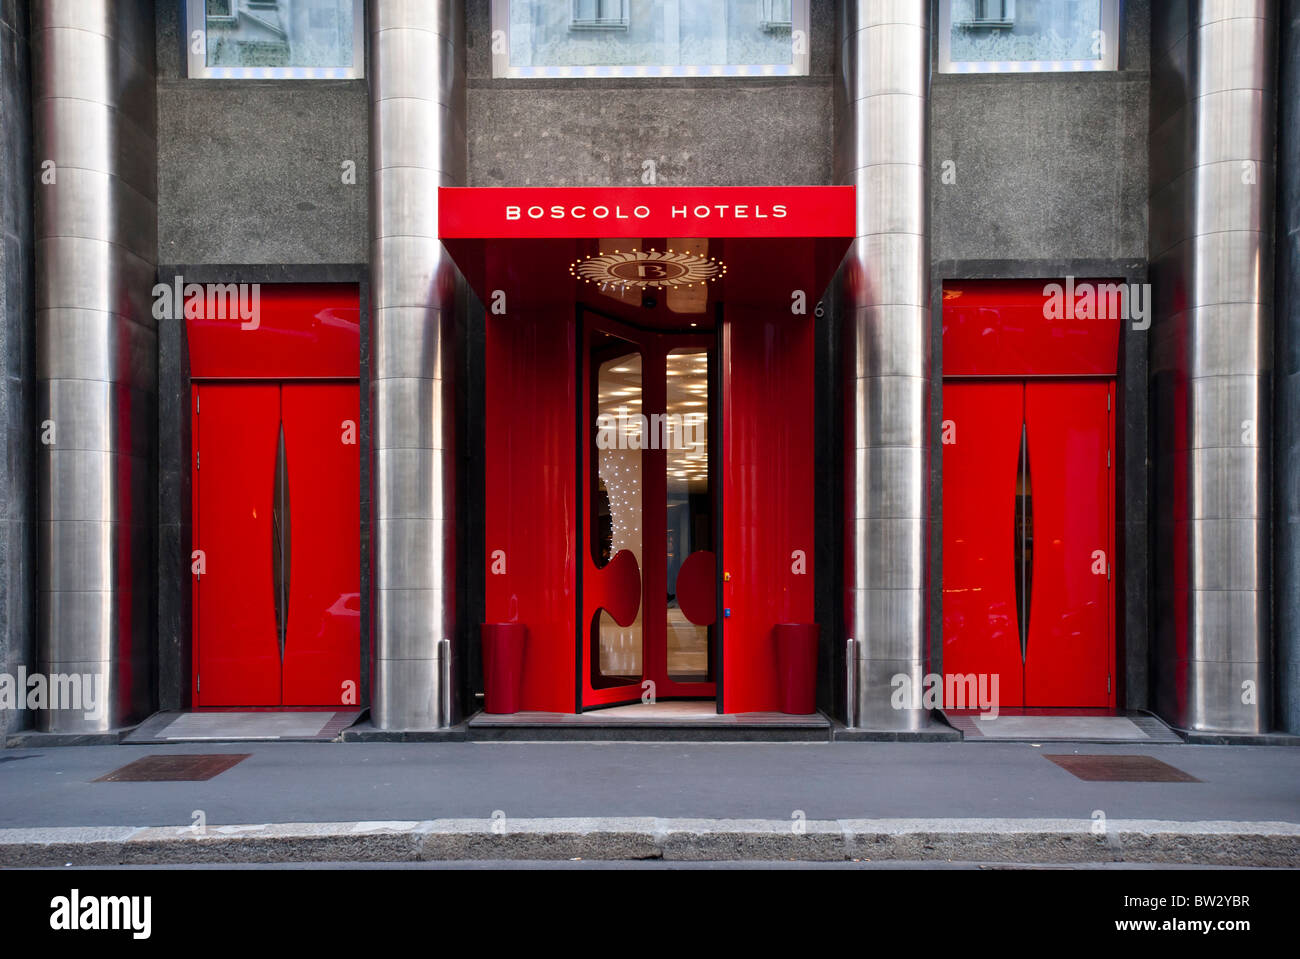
593	212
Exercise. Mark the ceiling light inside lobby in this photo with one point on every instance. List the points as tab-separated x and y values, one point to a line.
648	269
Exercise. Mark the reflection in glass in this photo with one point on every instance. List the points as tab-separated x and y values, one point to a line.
653	33
1020	30
617	485
279	33
690	514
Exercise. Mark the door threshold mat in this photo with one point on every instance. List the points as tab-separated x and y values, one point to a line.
189	768
1109	768
1092	728
668	722
288	726
657	714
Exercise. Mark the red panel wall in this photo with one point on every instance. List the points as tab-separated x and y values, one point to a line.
767	377
1003	328
1071	623
981	451
322	648
299	330
530	495
237	650
295	331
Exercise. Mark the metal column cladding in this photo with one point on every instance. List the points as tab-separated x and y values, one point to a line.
1286	384
881	118
1212	176
96	249
417	138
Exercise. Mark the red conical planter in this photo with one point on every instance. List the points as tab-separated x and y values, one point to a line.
796	665
503	666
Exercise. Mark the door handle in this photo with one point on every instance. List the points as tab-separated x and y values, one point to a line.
1023	536
280	541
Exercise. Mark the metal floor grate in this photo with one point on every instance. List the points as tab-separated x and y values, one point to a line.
174	769
1120	769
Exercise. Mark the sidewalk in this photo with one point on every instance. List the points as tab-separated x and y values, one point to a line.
998	802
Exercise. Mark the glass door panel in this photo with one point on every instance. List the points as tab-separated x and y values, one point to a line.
690	516
615	505
649	586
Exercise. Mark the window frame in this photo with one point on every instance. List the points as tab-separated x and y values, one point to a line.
195	12
1109	62
502	70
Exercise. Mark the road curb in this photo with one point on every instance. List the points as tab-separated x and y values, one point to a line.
1275	844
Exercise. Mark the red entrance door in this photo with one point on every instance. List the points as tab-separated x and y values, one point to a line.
648	600
1028	537
277	525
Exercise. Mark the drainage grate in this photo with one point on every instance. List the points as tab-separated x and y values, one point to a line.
1121	769
174	769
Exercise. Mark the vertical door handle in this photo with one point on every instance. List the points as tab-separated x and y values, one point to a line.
1024	538
280	541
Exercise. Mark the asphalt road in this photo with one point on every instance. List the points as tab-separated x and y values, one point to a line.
335	782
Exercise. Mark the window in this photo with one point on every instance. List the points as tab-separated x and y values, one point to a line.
1020	36
649	38
221	10
775	15
275	39
599	15
985	13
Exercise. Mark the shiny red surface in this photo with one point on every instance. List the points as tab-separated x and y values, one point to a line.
981	631
697	588
298	331
617	588
565	212
998	328
237	651
236	648
302	330
1070	649
1071	624
322	649
796	656
768	462
503	666
529	472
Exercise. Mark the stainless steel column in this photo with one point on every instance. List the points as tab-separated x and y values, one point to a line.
417	142
1286	383
881	137
1211	248
96	248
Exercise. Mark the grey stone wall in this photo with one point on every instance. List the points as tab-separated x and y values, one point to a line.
17	346
250	171
699	132
1048	166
